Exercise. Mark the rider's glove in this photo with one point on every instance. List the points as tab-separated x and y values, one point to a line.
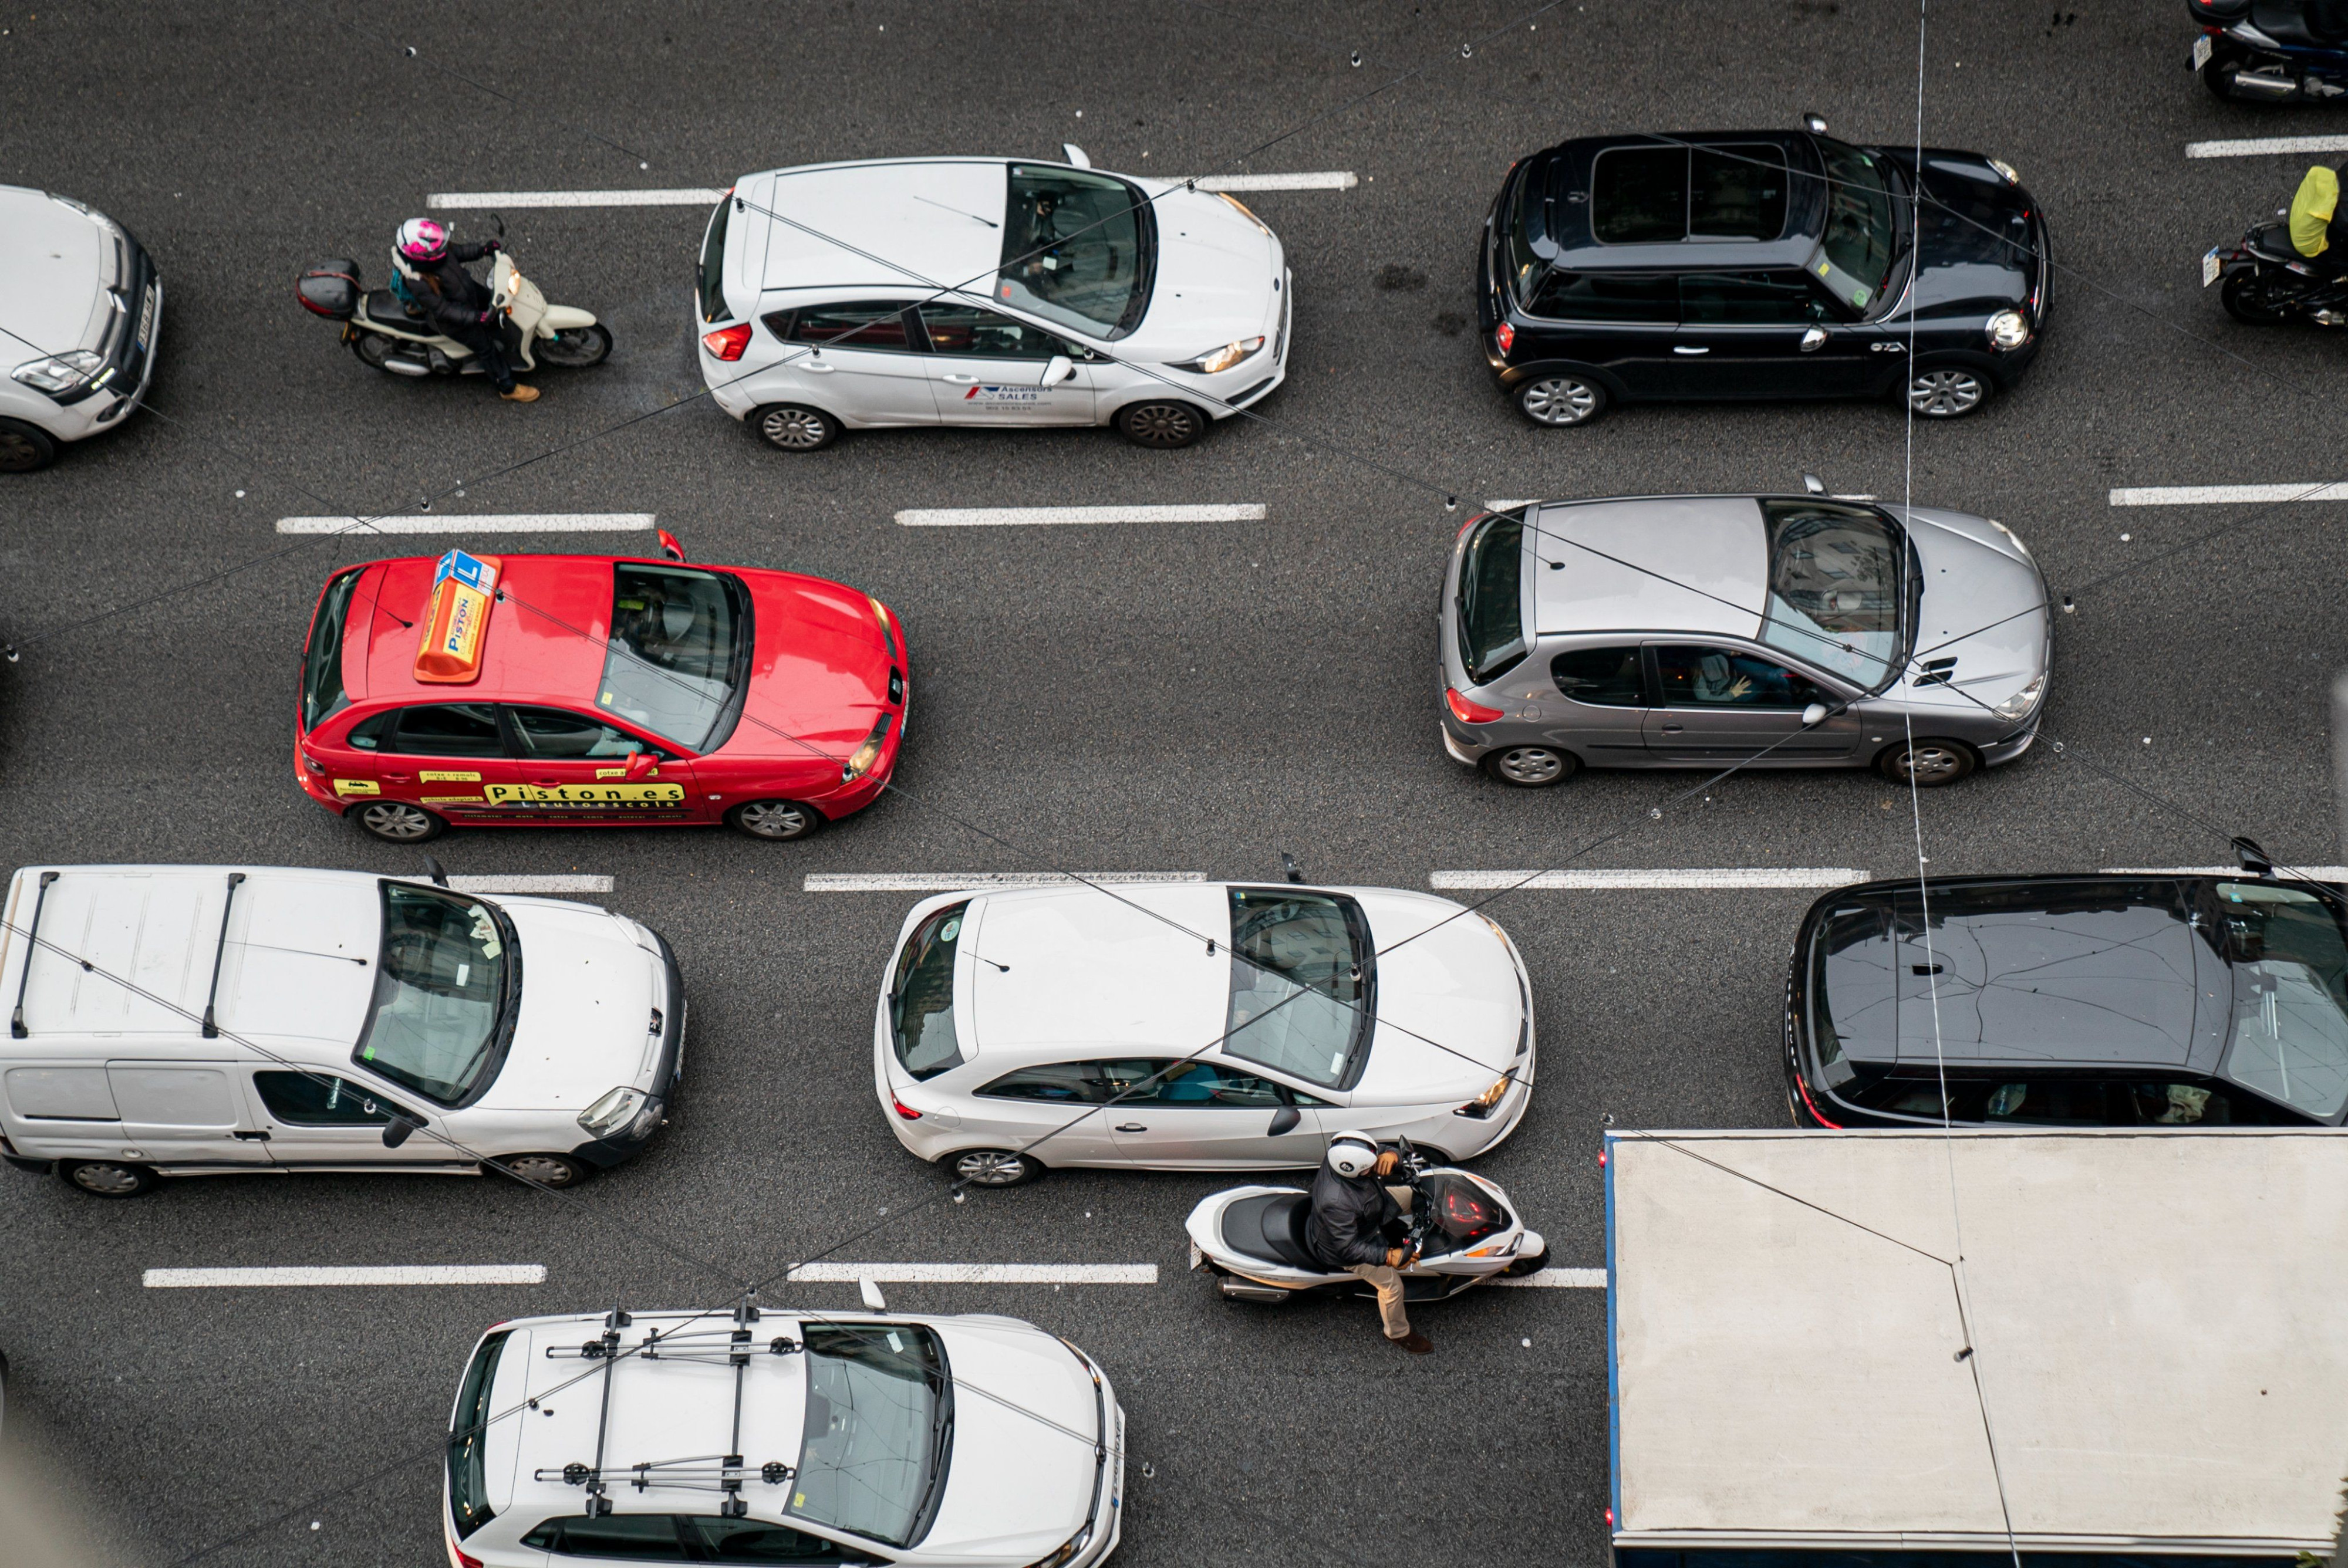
493	246
487	316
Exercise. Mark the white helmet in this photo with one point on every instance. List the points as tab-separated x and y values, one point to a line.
1352	1155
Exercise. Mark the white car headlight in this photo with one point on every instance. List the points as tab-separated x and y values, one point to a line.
2021	704
61	372
614	1111
1069	1549
2008	330
2006	169
1241	208
1222	358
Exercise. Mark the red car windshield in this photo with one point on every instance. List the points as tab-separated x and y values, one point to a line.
680	638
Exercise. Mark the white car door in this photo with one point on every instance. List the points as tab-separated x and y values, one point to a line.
988	368
1210	1116
183	1113
321	1121
1016	1108
857	359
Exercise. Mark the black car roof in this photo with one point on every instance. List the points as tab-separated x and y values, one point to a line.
1567	167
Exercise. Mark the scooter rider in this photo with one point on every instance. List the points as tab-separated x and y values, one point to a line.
1347	1228
453	302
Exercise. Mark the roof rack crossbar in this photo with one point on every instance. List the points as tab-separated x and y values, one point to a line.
739	1352
220	952
598	1501
17	1029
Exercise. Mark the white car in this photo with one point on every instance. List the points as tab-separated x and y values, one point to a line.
867	1437
210	1020
1309	1011
82	305
1078	297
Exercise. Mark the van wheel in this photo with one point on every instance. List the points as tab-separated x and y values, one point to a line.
108	1178
996	1168
1164	425
1927	765
24	448
396	821
546	1170
795	428
774	819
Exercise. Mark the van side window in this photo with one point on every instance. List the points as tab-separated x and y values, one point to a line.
318	1100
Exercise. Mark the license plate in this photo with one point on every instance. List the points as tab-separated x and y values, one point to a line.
2210	269
2201	51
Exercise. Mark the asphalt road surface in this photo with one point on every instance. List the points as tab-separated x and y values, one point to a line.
1190	697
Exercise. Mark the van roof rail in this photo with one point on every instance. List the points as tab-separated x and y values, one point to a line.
16	1030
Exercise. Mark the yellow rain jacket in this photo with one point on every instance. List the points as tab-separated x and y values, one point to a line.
2311	210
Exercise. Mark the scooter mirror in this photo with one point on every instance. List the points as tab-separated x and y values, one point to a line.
1285	1120
501	224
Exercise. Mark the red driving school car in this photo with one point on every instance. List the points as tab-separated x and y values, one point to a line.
594	689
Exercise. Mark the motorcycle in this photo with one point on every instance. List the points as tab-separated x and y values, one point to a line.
2271	51
379	330
1461	1232
2266	282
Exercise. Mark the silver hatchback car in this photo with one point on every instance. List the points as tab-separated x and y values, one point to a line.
1695	631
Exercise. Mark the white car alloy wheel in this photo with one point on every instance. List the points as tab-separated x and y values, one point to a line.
994	1168
796	429
1946	393
1560	400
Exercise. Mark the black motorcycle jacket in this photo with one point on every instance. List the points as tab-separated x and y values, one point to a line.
452	298
1347	1226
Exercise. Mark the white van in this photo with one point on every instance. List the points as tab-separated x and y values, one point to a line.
170	1021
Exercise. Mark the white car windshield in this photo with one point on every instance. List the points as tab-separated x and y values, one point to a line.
1079	249
1301	983
880	1427
443	993
2288	1037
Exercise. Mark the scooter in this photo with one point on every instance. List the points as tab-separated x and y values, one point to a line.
2266	280
2271	51
1461	1231
380	331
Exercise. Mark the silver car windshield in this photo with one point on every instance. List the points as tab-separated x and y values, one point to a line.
1301	978
2288	1037
443	991
1835	576
880	1427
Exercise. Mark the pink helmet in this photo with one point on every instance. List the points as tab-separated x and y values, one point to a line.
422	240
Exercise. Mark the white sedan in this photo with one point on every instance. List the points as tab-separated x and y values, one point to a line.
981	291
1215	1027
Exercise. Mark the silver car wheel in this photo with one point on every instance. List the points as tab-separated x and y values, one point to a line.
1558	400
796	429
398	821
546	1170
1528	766
776	819
108	1180
1945	393
1929	764
992	1168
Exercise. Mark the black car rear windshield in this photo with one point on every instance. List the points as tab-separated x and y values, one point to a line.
1657	195
920	998
1303	972
322	659
2288	1036
1078	249
1838	586
680	641
1491	622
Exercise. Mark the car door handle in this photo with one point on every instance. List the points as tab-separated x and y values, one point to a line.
962	380
1131	1127
1673	729
548	784
1683	348
395	778
815	362
250	1137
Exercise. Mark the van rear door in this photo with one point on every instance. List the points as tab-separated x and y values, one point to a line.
185	1114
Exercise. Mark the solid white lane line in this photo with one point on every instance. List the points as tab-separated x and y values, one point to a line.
480	523
1327	179
1560	1279
1596	881
977	1273
956	881
2213	495
417	1273
558	883
1029	516
2259	146
503	198
2319	873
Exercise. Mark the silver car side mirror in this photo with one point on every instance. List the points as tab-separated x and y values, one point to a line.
1815	713
1816	124
1060	369
1814	340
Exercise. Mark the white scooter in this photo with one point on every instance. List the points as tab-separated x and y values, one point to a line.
1462	1230
376	324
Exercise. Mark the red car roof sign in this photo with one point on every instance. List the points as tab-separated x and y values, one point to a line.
457	617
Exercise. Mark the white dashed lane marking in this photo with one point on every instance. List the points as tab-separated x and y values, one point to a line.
1030	517
956	881
482	523
2265	146
2216	494
696	196
976	1273
530	884
1603	881
396	1274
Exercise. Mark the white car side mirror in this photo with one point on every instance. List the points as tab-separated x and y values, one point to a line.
1060	369
873	1300
1071	153
1815	713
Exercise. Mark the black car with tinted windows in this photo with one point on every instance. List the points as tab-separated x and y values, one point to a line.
2141	1000
1757	264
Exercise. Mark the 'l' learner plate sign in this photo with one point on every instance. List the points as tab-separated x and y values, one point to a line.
456	619
2210	267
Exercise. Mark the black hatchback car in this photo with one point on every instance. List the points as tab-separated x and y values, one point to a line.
1752	264
2098	1001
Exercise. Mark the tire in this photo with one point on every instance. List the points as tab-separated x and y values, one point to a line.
1938	762
107	1178
376	351
794	427
1531	767
25	448
777	821
557	1171
1562	401
1525	1266
396	821
2252	301
1165	426
994	1168
575	348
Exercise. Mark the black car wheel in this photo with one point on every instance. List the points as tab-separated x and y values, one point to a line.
1947	391
396	821
1561	400
1927	765
24	448
2257	302
1531	767
795	428
1164	425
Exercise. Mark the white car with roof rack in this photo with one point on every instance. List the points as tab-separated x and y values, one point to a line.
171	1020
781	1436
1071	296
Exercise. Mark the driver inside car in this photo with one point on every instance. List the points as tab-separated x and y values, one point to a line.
1347	1230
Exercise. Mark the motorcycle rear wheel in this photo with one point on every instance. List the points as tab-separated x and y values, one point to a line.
2249	299
575	348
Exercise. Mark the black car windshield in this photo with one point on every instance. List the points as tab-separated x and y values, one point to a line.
1301	978
322	660
443	993
673	657
1835	588
920	998
1861	243
880	1427
2288	1037
1491	620
1078	249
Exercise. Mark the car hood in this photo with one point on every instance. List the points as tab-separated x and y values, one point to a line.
1214	282
53	266
586	1002
819	676
1983	605
1019	1482
1976	244
1450	1009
